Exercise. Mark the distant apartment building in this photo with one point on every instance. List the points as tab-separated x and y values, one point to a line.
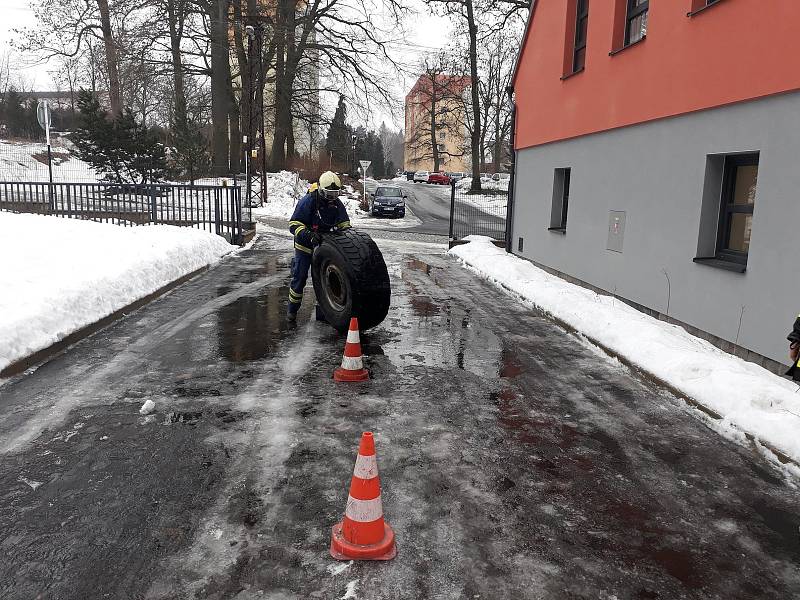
656	159
435	124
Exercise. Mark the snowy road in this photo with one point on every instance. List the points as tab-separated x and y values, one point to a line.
516	461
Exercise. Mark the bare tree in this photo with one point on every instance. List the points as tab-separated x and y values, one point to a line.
65	27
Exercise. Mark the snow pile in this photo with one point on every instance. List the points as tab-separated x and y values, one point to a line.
27	161
749	398
284	189
78	272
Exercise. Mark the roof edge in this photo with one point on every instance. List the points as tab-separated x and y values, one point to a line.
531	12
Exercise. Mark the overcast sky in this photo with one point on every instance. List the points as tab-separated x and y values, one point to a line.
426	33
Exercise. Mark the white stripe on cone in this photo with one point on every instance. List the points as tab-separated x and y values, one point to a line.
353	337
352	363
366	467
363	511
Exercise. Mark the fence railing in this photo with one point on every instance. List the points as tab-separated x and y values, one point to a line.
217	209
478	213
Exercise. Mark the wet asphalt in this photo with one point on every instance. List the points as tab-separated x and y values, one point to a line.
516	460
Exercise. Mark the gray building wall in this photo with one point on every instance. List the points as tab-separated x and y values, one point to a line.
656	173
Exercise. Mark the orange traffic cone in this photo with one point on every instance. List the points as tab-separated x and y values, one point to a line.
352	368
363	534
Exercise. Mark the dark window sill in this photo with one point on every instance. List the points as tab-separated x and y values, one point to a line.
561	230
568	75
631	45
703	9
719	263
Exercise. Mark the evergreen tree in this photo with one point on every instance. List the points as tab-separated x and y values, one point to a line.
122	149
338	141
190	157
18	114
377	157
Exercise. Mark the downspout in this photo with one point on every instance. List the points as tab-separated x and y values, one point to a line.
512	183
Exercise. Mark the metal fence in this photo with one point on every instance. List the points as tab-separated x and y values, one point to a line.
217	209
478	213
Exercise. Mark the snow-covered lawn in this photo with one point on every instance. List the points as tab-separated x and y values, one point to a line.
494	203
59	275
284	189
749	398
27	161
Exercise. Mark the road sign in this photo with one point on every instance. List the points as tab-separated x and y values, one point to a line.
43	114
365	165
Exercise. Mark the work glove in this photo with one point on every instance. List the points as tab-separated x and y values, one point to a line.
316	239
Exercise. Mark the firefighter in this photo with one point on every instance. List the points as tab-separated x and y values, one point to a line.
794	350
319	211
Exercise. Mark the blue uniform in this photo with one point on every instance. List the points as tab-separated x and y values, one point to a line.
311	215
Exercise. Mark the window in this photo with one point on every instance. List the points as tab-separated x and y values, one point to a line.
739	182
560	206
442	135
581	27
636	21
440	147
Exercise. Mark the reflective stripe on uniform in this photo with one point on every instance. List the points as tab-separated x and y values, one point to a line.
294	296
343	225
302	248
363	511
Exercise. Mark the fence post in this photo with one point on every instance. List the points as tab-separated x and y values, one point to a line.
237	199
452	206
50	173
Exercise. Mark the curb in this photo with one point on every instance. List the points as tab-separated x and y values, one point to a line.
41	356
782	457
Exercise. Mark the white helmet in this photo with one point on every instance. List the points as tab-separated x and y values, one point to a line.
330	186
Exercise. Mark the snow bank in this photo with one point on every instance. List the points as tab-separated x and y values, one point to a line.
73	273
748	397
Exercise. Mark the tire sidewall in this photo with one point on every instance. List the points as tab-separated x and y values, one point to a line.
325	254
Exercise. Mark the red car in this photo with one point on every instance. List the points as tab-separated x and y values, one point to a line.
439	178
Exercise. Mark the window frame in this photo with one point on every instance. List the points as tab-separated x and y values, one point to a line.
577	46
559	209
630	14
727	208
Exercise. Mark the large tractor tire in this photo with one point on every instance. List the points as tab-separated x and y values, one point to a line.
350	280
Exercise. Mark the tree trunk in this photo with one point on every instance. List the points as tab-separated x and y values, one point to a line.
434	144
114	97
284	34
176	16
244	125
476	107
220	87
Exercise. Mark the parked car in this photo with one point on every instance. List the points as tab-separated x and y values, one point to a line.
501	176
409	175
421	177
388	201
440	178
456	175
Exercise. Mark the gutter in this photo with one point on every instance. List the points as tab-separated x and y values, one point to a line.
512	184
